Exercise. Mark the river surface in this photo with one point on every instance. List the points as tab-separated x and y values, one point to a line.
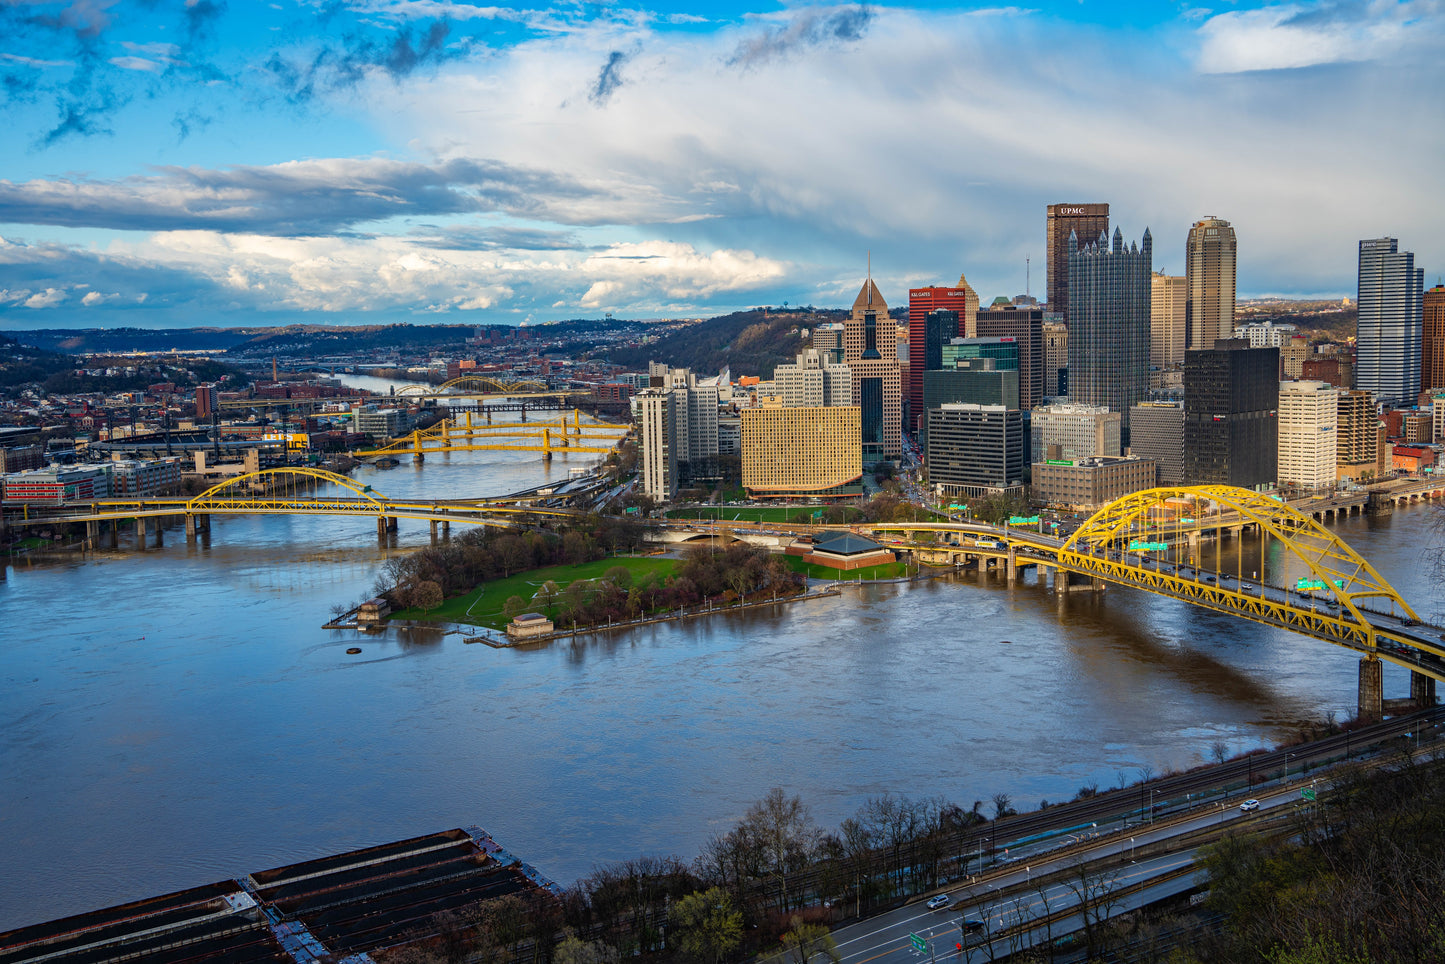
176	716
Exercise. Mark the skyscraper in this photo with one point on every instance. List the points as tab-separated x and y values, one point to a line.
1168	320
1209	270
1084	222
1025	325
814	382
1109	295
1308	434
1432	343
870	349
1056	358
656	427
1388	334
1231	434
922	303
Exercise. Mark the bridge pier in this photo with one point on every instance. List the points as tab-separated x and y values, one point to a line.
115	534
1012	565
1372	688
434	528
1422	690
446	531
140	531
381	528
92	534
190	527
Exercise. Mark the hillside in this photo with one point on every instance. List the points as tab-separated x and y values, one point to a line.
749	342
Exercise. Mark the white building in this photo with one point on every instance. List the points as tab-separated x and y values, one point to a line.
1168	297
1079	431
1308	434
814	382
1265	334
657	416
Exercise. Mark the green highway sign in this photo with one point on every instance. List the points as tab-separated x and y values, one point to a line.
1023	520
1138	545
918	943
1308	793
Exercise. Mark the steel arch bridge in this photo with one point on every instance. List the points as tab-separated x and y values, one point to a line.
1353	606
482	385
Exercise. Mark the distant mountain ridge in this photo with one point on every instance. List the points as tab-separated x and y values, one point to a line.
748	342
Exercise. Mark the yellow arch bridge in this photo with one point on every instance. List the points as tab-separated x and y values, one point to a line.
470	435
1150	540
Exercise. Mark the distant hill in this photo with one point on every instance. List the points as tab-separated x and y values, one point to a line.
749	342
99	341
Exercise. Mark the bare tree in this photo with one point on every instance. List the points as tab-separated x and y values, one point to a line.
1219	750
1096	891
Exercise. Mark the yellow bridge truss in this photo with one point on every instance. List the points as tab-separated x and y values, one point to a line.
452	435
1336	613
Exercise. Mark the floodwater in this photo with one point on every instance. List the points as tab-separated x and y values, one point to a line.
176	716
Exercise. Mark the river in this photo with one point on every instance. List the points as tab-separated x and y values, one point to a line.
176	716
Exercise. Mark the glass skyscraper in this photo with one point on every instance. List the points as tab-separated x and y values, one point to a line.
1109	297
1388	335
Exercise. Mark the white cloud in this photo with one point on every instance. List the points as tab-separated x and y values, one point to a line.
48	298
1309	34
137	63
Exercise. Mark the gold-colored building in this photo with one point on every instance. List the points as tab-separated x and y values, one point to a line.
802	452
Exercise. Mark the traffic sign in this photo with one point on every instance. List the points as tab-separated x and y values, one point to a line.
919	944
1308	793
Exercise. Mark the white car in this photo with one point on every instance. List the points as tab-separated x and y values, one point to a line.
942	900
1249	805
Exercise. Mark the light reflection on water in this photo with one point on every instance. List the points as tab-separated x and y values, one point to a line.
176	716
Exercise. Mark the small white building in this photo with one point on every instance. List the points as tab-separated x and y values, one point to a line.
528	625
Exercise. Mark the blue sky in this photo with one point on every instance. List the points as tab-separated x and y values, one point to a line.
222	163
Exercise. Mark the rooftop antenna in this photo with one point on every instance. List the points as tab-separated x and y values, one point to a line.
870	277
1026	277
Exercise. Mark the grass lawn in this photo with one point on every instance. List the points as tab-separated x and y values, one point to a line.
889	570
483	605
758	513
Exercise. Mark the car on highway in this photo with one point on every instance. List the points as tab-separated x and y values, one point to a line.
1249	806
972	926
942	900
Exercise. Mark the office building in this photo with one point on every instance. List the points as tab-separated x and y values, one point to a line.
1056	358
1230	430
962	303
828	340
657	417
1167	320
1109	297
870	344
975	450
57	484
813	452
1209	268
1308	420
1002	352
1358	436
813	382
1068	227
1338	370
1156	432
981	385
1432	342
1083	485
381	423
1388	333
1068	431
1292	357
1437	417
1025	325
22	458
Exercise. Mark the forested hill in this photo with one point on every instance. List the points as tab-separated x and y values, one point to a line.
749	342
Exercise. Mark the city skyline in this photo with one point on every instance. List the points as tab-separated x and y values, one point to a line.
390	161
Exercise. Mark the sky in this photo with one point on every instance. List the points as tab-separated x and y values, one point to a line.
213	162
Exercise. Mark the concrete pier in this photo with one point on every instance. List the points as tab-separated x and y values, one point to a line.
1372	689
434	528
1422	690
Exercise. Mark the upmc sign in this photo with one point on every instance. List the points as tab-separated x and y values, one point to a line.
1072	211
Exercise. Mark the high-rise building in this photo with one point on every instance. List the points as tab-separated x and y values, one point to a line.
814	382
1025	325
828	339
1167	320
1432	343
207	401
1357	436
1308	424
1209	268
1068	226
1388	333
962	301
1263	334
1156	431
981	385
1293	353
1056	358
656	423
975	449
1068	431
809	452
1231	436
870	343
1004	351
1109	295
